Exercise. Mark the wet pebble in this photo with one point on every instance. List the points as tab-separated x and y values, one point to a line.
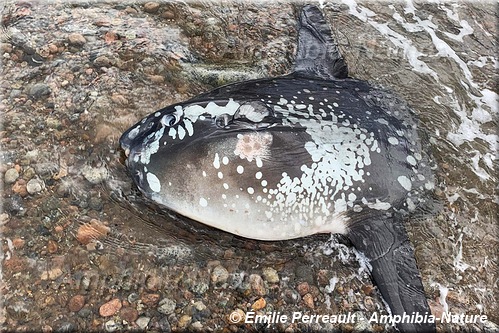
38	90
164	325
291	296
153	283
102	61
303	288
62	190
219	275
20	188
29	173
167	306
133	297
151	7
168	15
76	39
150	299
270	275
35	186
200	288
184	321
110	308
52	247
14	205
11	176
76	303
142	322
259	304
257	285
111	326
308	300
129	314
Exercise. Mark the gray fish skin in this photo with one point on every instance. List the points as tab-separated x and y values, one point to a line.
287	157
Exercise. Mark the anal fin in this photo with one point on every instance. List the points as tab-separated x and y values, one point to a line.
383	240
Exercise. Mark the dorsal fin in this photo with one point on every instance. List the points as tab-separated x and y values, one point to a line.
318	54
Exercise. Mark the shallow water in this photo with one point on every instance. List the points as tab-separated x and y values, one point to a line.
438	56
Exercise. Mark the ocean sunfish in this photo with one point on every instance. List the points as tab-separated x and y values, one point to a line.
279	158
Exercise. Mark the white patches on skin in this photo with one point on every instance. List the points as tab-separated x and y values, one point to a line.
379	205
253	145
220	175
226	186
216	161
258	175
251	190
252	114
225	160
203	202
152	148
153	182
194	112
188	127
429	186
411	160
181	132
134	132
240	169
393	140
172	132
405	182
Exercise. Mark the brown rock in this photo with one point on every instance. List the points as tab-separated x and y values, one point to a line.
151	7
76	303
150	299
53	48
52	274
129	314
20	188
110	308
257	285
303	288
153	283
259	304
90	231
18	243
76	39
169	15
52	246
308	300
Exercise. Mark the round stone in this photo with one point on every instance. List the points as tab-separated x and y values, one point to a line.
34	186
11	176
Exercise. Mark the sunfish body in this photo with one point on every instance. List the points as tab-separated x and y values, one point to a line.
286	157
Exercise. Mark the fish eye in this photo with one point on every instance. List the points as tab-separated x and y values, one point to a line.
170	120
